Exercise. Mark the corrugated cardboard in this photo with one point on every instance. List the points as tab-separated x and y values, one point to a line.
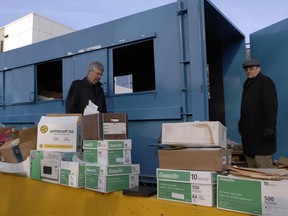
206	159
17	150
61	133
92	127
105	126
10	151
5	130
28	141
195	134
259	173
115	125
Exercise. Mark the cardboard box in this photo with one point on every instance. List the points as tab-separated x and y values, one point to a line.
115	125
198	194
18	149
205	159
195	134
101	126
252	196
107	157
112	169
195	187
45	165
72	174
189	176
61	133
107	144
28	141
90	155
92	127
8	134
10	151
6	130
107	184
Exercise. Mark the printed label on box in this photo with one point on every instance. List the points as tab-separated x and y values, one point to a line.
108	184
274	197
112	169
199	194
239	195
108	144
114	128
198	177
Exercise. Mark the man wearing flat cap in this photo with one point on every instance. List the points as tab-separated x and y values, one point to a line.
258	116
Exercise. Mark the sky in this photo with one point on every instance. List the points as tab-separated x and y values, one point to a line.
247	15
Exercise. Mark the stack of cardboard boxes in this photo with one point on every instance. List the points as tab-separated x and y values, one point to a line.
15	145
188	169
59	139
107	153
91	151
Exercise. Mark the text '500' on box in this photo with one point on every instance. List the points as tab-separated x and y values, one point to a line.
59	133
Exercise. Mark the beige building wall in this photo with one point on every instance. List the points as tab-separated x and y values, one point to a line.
29	29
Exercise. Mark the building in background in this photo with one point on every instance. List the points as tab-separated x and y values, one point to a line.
30	29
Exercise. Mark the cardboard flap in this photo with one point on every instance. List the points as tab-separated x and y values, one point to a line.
268	174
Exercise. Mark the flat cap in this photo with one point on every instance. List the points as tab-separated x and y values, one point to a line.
251	63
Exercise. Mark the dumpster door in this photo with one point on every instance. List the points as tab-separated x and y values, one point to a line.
23	87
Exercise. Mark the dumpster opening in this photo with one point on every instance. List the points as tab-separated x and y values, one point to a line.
49	80
133	67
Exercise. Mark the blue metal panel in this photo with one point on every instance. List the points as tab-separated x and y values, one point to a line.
23	90
145	136
68	74
234	78
8	87
2	99
197	79
270	46
231	55
178	32
164	113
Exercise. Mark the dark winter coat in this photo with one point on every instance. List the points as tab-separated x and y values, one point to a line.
80	92
258	112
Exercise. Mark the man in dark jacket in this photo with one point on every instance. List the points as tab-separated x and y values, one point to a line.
89	88
258	117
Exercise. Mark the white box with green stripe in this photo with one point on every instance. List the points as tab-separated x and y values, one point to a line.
95	169
252	196
194	187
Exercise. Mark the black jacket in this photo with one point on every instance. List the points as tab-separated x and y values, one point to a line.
259	107
80	92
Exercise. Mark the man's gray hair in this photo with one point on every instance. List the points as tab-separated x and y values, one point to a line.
96	65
